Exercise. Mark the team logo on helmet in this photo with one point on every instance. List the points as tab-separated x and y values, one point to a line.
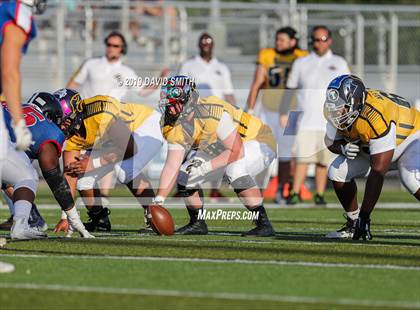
332	95
76	103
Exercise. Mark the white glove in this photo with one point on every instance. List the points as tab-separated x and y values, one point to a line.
76	223
350	150
198	168
250	112
23	136
158	200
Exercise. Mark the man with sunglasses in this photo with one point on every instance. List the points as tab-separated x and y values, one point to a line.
108	75
310	76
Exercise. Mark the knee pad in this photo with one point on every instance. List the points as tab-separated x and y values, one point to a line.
243	183
185	192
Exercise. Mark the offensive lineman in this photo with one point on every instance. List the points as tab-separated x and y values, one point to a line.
206	135
129	132
373	132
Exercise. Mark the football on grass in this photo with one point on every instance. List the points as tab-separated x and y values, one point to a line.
161	220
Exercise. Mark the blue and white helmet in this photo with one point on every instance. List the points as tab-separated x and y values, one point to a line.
344	100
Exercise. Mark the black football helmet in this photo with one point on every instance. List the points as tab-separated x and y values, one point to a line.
72	107
345	98
48	105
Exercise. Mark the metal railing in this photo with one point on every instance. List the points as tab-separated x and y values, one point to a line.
374	39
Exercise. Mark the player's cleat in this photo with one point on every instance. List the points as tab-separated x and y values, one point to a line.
21	230
293	198
345	232
36	221
198	227
263	229
98	220
320	200
7	225
362	229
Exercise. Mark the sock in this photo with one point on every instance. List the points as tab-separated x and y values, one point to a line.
22	209
193	213
364	215
353	215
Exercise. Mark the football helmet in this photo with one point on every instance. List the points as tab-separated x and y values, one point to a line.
177	97
38	6
71	105
345	98
48	105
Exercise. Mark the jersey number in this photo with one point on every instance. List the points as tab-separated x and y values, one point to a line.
275	76
32	116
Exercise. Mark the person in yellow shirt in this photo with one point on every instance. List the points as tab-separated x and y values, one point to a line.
373	132
209	137
117	136
271	74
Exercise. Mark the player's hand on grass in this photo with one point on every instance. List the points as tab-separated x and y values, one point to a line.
350	150
23	135
62	225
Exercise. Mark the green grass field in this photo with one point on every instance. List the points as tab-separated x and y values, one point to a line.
297	269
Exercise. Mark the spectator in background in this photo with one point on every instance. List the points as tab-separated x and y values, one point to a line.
271	73
141	10
311	75
211	76
108	75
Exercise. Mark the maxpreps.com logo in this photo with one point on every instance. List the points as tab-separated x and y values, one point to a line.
332	95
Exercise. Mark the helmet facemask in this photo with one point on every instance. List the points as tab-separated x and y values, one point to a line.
177	101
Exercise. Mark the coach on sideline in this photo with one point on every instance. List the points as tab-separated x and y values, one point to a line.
311	75
108	75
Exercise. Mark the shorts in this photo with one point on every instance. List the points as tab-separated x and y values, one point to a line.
311	149
284	140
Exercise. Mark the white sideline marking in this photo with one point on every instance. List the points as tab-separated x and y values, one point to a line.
220	261
117	203
226	296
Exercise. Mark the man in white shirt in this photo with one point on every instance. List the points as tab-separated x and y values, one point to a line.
108	75
211	76
311	75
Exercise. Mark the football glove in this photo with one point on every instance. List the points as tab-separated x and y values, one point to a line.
23	136
350	150
362	229
158	200
197	170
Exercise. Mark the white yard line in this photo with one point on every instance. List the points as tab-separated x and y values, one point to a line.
225	296
116	203
218	261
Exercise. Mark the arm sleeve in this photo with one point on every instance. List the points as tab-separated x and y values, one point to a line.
384	143
225	126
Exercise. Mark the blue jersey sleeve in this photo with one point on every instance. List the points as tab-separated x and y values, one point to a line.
42	133
15	12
